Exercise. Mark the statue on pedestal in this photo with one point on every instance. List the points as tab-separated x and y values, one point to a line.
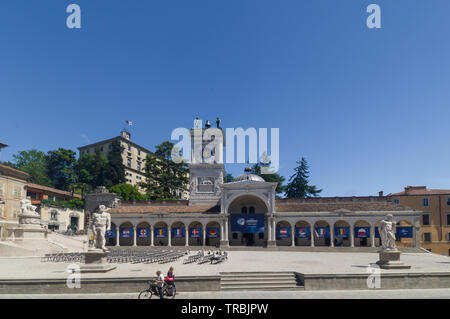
28	214
387	234
101	222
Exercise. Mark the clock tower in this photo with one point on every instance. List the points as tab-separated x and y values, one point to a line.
206	170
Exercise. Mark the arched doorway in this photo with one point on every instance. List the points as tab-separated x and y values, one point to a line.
195	234
143	234
302	233
321	233
178	234
247	224
342	234
212	234
126	234
362	233
161	234
404	234
283	233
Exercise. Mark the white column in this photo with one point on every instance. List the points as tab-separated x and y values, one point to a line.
269	228
274	237
293	236
169	236
186	236
352	236
134	236
117	236
221	230
226	228
372	235
312	236
204	235
332	235
152	236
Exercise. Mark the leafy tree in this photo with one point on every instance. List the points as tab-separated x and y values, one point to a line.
84	172
275	177
116	169
100	171
127	192
34	163
298	186
165	179
60	168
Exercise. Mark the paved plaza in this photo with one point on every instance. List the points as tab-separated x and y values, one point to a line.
324	294
238	261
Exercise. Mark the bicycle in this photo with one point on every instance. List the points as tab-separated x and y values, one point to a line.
169	291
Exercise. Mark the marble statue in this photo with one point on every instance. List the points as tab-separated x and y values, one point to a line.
387	234
101	222
28	213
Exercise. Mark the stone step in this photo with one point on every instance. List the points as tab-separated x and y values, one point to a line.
257	282
274	287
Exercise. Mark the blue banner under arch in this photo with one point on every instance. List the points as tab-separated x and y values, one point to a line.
143	232
302	232
283	232
126	232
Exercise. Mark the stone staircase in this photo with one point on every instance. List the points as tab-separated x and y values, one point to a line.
259	281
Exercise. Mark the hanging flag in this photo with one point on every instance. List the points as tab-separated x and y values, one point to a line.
362	232
323	232
213	232
143	232
195	232
283	232
110	233
404	232
302	232
178	232
126	232
160	232
341	232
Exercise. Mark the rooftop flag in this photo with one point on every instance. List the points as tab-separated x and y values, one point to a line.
128	122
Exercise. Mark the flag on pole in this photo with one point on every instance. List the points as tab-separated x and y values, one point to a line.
128	122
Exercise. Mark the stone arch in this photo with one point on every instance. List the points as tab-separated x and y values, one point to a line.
178	241
158	240
128	240
111	241
404	242
360	229
319	239
213	226
280	238
143	229
195	241
302	241
255	203
342	228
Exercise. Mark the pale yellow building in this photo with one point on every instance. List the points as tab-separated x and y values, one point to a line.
133	157
435	217
13	185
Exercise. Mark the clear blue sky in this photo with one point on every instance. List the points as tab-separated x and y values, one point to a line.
369	109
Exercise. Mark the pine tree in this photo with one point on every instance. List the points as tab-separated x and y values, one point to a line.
298	183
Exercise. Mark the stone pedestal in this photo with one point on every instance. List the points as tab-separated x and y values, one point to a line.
26	233
224	243
95	261
390	259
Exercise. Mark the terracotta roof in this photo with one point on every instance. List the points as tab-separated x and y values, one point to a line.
46	189
133	209
421	190
329	207
9	171
3	145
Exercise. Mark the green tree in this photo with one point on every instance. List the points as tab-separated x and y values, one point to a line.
298	186
270	178
165	179
228	178
84	173
115	170
34	163
127	192
100	171
60	168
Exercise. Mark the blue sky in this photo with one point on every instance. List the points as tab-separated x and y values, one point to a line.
368	109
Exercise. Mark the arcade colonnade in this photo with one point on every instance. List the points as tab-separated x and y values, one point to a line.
206	226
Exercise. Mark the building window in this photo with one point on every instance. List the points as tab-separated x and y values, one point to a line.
425	202
252	210
1	210
244	210
139	152
129	147
2	189
427	237
396	201
110	146
139	166
426	220
448	237
129	162
448	219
